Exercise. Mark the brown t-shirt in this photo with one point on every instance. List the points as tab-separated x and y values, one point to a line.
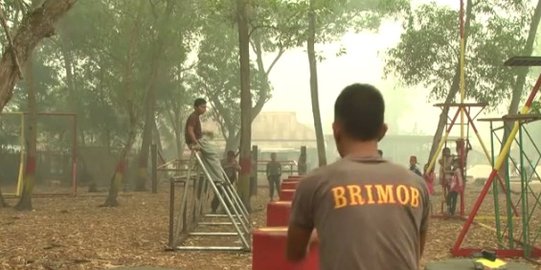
368	213
193	120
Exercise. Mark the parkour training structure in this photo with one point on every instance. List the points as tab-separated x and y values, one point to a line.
197	187
516	224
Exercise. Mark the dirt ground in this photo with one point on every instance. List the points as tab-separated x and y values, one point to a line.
73	233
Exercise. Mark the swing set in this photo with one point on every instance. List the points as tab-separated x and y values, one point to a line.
518	232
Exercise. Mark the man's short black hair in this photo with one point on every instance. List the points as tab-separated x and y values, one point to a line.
360	109
199	101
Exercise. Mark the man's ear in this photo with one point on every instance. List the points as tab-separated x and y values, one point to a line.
382	131
336	130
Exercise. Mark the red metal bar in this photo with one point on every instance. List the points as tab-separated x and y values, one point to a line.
453	121
473	212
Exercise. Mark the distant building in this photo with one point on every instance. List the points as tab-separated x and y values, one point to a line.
279	132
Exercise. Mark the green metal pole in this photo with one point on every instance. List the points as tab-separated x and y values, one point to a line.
495	188
509	204
524	194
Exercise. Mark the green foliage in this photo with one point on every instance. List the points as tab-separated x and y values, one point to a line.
536	107
110	45
218	75
428	51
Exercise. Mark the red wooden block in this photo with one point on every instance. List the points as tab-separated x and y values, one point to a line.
278	213
286	194
289	185
294	177
269	251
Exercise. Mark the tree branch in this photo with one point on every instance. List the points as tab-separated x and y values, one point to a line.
10	40
35	26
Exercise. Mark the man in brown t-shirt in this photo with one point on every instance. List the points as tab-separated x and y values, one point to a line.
195	139
369	213
192	130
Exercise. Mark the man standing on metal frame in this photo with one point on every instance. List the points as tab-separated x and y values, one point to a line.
197	140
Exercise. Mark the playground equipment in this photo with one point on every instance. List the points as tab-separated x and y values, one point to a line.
515	236
466	121
269	243
56	160
197	188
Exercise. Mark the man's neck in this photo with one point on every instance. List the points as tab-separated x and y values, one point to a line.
368	148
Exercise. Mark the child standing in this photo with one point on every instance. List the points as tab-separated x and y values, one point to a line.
456	186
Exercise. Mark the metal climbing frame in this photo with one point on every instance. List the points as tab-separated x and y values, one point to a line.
512	233
191	212
526	243
466	110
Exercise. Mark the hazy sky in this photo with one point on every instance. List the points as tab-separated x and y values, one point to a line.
363	63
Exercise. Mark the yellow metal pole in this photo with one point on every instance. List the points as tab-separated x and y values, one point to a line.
21	162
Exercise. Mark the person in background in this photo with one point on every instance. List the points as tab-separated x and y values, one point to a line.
274	173
231	166
446	171
456	186
301	164
413	166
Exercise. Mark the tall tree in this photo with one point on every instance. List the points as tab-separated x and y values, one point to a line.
129	100
314	93
2	201
36	25
29	173
156	62
428	55
328	21
243	19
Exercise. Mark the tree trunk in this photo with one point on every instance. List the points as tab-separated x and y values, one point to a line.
142	174
232	141
518	88
156	137
245	102
179	141
35	26
322	157
442	123
2	201
264	93
453	90
29	175
150	104
120	171
70	80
